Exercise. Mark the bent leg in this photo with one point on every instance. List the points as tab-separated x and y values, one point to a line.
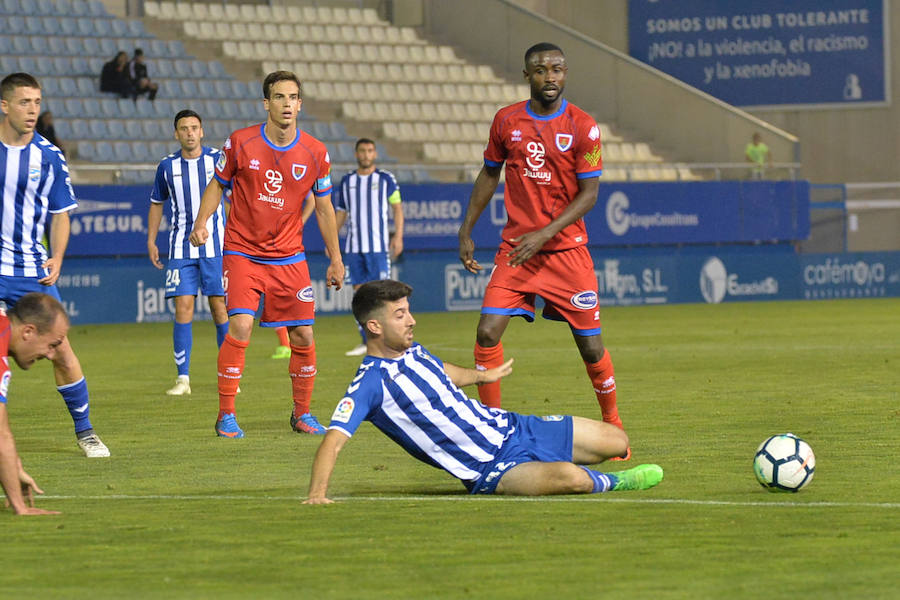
489	354
595	441
600	370
71	385
543	479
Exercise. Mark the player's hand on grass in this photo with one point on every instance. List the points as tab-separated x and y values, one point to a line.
53	266
199	235
153	253
467	254
29	488
492	375
526	246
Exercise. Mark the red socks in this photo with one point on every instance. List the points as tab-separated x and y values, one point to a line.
488	358
302	368
230	366
603	378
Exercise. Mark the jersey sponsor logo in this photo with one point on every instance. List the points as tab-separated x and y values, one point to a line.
564	141
4	383
220	164
535	163
343	410
298	171
254	164
552	418
585	300
593	157
306	294
500	468
594	133
274	180
516	135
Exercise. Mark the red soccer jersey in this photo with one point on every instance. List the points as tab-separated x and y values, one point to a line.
269	184
5	373
545	157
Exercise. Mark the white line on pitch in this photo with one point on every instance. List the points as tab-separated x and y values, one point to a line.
451	498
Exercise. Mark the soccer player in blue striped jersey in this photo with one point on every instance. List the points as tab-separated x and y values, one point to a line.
181	178
362	201
415	399
36	184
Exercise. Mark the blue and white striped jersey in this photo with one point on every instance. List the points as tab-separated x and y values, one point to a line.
365	198
412	400
181	181
36	182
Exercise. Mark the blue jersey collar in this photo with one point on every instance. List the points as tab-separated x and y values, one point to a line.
273	145
562	109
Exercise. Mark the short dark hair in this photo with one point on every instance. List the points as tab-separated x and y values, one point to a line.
372	296
276	76
39	310
16	80
138	52
542	47
362	141
184	114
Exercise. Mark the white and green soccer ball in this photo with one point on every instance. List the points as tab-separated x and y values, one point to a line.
784	463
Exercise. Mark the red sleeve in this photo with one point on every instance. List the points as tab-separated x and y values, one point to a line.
227	163
588	159
495	153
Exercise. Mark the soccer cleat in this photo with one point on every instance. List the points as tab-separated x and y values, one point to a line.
227	427
306	423
357	351
182	386
641	477
626	456
93	447
281	352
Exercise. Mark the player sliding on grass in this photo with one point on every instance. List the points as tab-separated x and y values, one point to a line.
35	328
415	399
552	153
271	167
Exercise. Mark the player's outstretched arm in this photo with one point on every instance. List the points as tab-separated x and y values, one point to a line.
529	244
485	185
59	241
323	465
209	202
462	376
17	484
154	218
396	243
334	276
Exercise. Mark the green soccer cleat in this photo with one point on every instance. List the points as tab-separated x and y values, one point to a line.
281	352
641	477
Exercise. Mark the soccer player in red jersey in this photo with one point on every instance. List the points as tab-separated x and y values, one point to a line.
271	167
552	153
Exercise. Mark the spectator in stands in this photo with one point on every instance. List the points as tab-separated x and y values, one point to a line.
758	155
137	73
45	128
114	76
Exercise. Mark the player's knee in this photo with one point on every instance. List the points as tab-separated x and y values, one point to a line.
487	336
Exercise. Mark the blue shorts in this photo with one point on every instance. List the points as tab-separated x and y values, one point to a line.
184	276
13	288
372	266
535	439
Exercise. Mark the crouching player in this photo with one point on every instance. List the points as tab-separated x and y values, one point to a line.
416	400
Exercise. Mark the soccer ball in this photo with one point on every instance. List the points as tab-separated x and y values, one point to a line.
784	463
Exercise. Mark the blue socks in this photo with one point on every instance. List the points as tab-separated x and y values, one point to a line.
603	482
182	338
76	398
221	330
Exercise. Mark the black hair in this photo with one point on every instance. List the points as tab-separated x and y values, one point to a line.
542	47
372	296
362	141
17	80
37	309
276	76
186	113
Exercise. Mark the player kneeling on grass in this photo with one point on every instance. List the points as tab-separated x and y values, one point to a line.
35	328
416	400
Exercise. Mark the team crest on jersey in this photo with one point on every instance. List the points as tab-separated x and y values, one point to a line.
584	300
564	141
343	410
298	171
306	294
593	157
4	383
34	173
220	164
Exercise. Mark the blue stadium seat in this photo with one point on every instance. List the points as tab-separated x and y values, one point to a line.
92	47
33	26
93	110
8	64
175	48
5	42
57	46
222	89
189	89
249	109
124	151
85	27
157	150
119	28
151	130
106	153
338	131
21	45
99	129
133	130
48	25
80	129
108	107
49	88
10	7
75	47
182	67
199	69
383	154
44	7
62	65
67	88
169	88
157	48
136	29
95	65
68	26
63	129
97	9
163	68
39	45
229	110
15	23
108	47
86	87
78	7
217	70
87	150
101	27
27	64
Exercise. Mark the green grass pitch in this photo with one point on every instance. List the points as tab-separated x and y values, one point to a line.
179	513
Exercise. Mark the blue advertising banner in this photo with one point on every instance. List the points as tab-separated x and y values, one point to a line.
767	52
131	290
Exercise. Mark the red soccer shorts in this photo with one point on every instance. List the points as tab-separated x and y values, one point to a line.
564	279
289	296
